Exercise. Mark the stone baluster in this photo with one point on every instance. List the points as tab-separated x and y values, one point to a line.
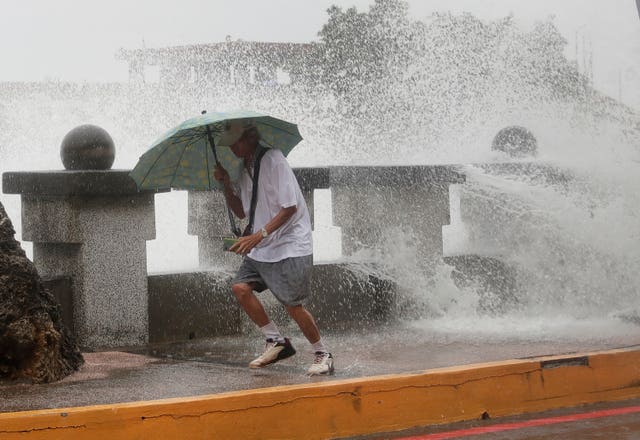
379	208
93	226
91	223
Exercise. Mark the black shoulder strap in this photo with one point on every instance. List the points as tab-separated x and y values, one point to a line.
254	190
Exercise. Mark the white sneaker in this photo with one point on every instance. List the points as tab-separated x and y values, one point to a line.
273	352
322	364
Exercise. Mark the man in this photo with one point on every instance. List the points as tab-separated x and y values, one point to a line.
279	255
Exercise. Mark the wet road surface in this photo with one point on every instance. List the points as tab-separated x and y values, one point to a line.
611	421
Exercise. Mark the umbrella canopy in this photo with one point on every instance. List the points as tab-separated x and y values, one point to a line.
185	156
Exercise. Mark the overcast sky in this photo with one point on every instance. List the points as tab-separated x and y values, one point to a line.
76	40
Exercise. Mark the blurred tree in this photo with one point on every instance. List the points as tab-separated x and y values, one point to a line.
394	78
538	60
365	62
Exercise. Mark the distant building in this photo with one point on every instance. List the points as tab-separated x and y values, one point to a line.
235	63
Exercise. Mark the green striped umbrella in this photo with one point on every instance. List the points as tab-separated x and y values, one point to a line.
185	156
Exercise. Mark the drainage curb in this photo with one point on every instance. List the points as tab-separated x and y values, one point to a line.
350	407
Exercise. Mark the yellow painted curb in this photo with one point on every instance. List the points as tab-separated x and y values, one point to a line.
349	407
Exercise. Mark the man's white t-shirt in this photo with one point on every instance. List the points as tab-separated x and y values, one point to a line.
277	189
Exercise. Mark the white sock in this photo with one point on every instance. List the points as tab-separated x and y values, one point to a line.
319	347
270	331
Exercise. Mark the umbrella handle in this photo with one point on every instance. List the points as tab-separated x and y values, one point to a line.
212	144
234	228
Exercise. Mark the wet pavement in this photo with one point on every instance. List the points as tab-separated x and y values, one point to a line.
209	366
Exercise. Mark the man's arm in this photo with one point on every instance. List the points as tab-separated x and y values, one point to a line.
245	244
280	219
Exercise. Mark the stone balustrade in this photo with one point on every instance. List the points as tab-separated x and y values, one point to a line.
368	202
92	226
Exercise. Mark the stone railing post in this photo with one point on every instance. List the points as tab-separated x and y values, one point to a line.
92	226
208	220
381	207
490	228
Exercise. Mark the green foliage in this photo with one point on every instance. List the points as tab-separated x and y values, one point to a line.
362	48
390	70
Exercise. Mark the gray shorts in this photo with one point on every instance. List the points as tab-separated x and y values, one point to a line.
287	279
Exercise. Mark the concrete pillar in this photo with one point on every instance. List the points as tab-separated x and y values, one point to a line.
493	219
379	208
92	226
208	220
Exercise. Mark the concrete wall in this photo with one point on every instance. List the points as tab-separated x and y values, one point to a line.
191	305
188	305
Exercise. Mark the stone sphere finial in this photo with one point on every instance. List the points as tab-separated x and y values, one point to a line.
87	147
516	141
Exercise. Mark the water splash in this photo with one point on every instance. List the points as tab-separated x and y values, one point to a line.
459	80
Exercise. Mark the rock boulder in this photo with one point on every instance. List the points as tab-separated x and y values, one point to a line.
34	344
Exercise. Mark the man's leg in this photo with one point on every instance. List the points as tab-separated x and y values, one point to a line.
323	362
305	321
277	347
250	303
